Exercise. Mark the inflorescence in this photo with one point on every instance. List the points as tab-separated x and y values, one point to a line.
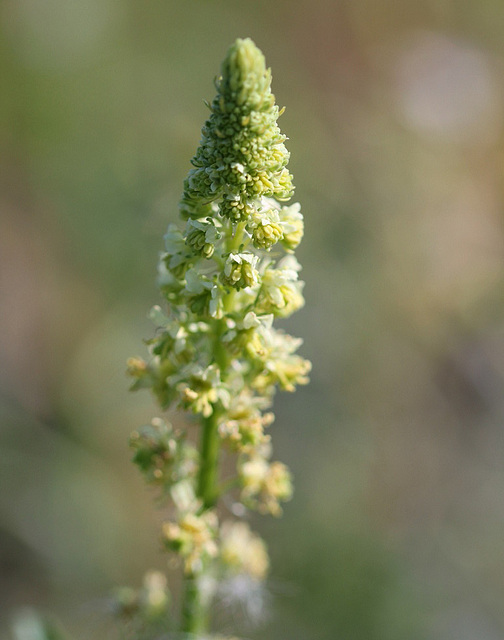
225	278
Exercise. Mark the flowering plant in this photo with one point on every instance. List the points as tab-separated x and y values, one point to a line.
225	277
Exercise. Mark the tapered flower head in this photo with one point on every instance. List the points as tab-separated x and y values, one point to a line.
242	155
225	278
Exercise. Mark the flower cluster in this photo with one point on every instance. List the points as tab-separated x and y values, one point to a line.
151	601
162	454
225	277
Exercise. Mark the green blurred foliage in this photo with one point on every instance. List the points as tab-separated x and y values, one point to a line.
394	114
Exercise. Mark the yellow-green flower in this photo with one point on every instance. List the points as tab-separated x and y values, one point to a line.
227	272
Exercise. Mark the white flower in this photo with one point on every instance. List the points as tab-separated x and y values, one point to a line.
281	365
281	291
193	537
240	270
291	222
198	285
265	484
174	240
264	224
242	551
202	236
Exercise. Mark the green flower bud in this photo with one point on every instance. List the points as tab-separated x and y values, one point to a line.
201	237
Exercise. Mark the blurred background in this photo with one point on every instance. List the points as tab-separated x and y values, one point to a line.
395	123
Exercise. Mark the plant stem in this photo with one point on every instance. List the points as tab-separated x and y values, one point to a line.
207	481
194	614
236	240
194	610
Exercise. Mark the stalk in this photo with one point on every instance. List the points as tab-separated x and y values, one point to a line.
216	353
209	458
195	615
194	611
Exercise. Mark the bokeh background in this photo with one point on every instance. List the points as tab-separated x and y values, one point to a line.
395	122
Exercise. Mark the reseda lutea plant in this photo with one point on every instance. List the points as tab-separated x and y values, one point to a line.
225	277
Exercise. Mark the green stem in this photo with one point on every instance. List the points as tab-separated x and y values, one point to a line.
207	480
194	614
195	611
236	240
233	242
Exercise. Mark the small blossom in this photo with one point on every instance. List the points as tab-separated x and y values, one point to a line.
291	222
177	258
150	603
205	296
281	291
249	335
246	434
137	367
193	538
240	270
154	596
265	484
184	496
202	236
282	366
242	551
266	228
201	389
161	453
242	426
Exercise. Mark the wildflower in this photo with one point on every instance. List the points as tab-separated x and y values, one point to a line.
265	484
137	368
281	291
216	353
242	551
202	236
266	228
161	453
148	603
291	223
246	434
201	389
154	596
249	335
281	365
204	296
240	270
193	538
